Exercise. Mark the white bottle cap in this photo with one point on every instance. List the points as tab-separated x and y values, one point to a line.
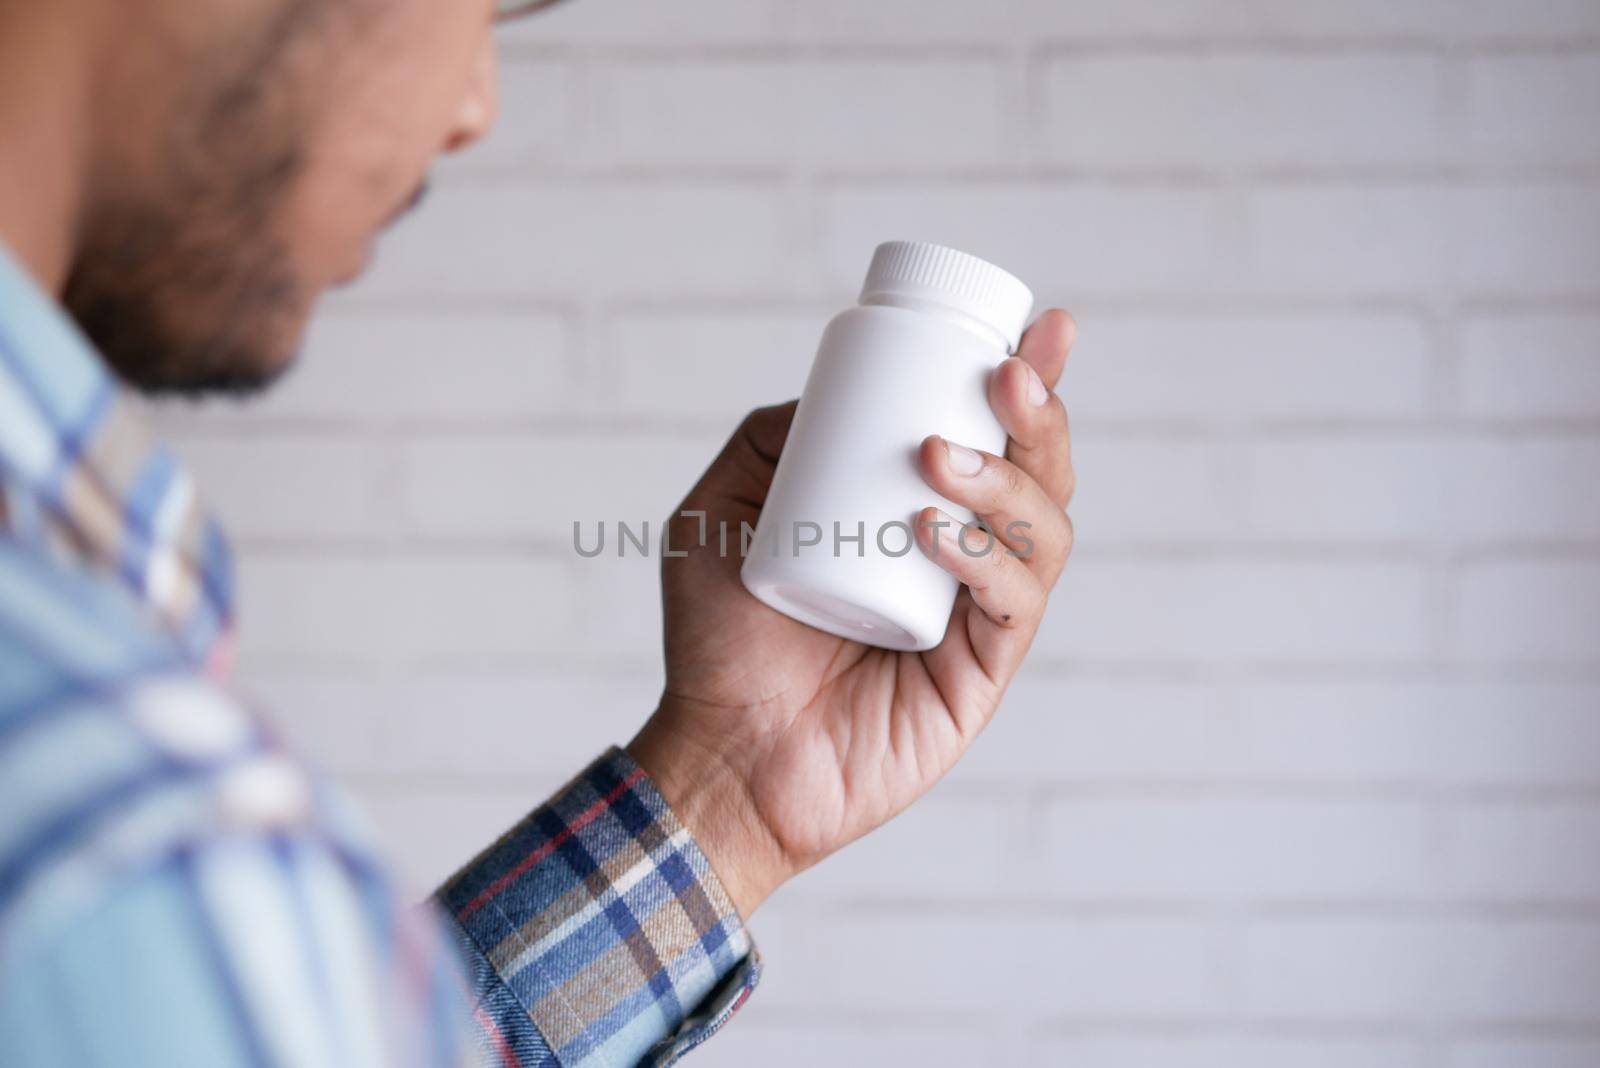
917	273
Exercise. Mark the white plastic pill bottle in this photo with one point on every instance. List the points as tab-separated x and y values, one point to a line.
834	546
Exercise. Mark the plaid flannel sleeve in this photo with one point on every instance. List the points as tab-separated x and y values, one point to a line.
596	933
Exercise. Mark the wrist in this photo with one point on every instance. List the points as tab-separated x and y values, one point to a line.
712	799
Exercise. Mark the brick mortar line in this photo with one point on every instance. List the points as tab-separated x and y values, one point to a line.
1234	787
1453	1031
623	55
777	173
833	1019
1187	675
1446	48
821	298
1531	675
419	544
222	425
1048	46
1420	911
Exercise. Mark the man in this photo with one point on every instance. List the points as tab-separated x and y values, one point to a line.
179	182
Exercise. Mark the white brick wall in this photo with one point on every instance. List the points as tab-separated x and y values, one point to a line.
1306	769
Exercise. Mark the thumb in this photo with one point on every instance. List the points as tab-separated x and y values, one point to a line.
743	470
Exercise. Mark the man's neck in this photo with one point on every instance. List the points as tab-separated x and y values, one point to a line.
44	111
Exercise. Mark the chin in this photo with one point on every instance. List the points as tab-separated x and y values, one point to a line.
247	372
353	273
235	332
240	361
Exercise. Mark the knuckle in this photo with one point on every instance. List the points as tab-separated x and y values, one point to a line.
1010	480
1031	602
763	430
1069	485
979	544
1048	424
748	428
765	414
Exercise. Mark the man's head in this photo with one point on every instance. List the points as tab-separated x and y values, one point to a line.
243	159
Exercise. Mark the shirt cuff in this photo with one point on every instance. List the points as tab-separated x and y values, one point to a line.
599	920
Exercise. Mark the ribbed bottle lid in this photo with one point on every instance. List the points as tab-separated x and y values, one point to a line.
939	275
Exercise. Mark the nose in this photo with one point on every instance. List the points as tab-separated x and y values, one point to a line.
480	103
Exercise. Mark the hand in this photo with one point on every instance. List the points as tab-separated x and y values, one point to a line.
777	744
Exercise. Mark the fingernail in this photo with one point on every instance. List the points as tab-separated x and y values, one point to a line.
963	461
1037	393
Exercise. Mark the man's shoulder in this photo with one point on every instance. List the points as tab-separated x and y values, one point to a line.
65	630
167	868
116	755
